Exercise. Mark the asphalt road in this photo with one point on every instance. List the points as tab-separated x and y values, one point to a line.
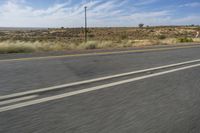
163	100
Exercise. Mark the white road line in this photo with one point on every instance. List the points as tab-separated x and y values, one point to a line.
73	93
17	100
92	80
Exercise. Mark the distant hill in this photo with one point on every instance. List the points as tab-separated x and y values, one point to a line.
20	28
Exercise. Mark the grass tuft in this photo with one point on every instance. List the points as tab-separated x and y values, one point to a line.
40	46
15	47
183	40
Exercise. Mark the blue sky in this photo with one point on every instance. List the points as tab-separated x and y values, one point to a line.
101	13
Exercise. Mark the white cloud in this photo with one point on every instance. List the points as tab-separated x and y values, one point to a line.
145	2
17	13
195	19
193	4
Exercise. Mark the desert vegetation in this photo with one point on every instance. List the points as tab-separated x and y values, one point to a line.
38	40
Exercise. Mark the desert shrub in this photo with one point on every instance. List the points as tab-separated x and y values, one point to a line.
151	30
161	37
123	36
91	35
2	34
182	40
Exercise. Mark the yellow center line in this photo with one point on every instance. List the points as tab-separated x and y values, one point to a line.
99	53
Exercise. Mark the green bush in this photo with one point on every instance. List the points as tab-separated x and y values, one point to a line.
182	40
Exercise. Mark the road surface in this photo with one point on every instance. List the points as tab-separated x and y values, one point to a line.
148	90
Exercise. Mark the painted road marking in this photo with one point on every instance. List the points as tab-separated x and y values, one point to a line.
93	80
73	93
17	100
100	53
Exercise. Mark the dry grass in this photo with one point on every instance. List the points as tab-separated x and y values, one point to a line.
196	39
22	41
15	47
26	47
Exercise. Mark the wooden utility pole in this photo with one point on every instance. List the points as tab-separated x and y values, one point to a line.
85	23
